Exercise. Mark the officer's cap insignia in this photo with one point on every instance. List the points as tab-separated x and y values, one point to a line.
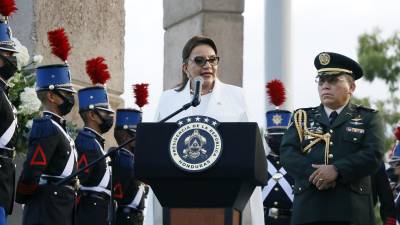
196	145
324	58
277	119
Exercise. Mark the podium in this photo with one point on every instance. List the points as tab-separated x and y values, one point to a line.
215	196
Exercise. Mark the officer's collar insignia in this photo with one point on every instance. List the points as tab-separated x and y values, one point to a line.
355	130
324	58
196	145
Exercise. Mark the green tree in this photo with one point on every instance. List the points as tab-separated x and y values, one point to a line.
380	59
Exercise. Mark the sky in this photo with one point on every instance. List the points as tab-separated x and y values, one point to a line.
317	25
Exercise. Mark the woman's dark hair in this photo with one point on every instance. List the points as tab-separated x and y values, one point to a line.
189	46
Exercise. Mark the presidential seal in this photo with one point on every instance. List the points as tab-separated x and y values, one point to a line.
196	145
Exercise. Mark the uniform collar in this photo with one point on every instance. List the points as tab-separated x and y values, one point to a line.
98	136
56	118
328	110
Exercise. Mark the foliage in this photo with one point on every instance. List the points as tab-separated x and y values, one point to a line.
380	59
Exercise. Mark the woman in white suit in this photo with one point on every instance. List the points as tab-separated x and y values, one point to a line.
220	101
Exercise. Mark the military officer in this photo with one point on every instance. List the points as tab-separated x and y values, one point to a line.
95	188
8	124
128	191
278	193
332	150
51	154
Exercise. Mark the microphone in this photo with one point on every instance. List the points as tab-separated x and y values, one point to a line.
198	84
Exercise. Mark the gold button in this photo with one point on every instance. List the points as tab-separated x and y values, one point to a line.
354	139
330	156
275	203
299	188
331	143
331	131
276	189
55	193
277	162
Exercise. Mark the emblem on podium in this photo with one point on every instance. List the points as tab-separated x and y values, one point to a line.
196	145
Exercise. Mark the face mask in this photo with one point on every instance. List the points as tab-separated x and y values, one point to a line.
107	123
10	66
67	105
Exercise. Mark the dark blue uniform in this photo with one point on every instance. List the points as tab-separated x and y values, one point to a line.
128	191
278	194
8	139
94	192
51	156
381	190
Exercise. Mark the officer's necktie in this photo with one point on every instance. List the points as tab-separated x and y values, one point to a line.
333	117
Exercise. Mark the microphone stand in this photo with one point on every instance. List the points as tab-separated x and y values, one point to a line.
195	102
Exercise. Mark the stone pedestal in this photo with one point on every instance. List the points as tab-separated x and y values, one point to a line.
220	20
94	27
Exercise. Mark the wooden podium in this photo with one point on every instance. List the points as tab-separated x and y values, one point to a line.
216	196
201	216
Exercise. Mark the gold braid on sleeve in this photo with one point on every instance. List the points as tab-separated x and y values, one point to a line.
300	121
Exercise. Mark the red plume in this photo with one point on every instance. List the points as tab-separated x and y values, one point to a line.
59	43
141	94
97	70
276	92
7	7
397	132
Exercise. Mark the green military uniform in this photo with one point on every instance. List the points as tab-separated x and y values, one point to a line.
353	143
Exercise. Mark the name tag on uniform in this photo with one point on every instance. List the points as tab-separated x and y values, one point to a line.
355	130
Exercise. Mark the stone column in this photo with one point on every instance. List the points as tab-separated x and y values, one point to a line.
95	28
221	20
277	45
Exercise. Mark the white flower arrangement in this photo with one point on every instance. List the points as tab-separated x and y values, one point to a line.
29	101
22	55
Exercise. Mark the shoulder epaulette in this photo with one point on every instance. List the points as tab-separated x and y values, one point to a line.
306	109
42	127
360	107
86	141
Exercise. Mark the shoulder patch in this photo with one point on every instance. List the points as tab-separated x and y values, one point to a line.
41	128
86	141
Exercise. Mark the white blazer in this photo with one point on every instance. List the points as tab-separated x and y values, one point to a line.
227	103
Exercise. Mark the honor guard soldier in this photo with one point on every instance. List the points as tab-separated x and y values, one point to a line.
128	191
395	164
278	194
97	115
51	151
8	118
332	150
382	192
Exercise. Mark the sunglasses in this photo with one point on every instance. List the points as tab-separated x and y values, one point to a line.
331	79
201	61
